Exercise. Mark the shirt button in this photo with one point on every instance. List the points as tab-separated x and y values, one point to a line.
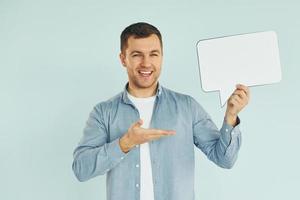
137	146
122	158
226	130
137	165
137	185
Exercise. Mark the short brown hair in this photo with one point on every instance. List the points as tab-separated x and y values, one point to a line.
138	30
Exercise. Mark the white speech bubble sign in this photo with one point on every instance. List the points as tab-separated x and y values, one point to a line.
250	59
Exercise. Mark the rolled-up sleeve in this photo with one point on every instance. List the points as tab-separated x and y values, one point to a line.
94	155
220	146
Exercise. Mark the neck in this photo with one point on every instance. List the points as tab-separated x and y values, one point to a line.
142	92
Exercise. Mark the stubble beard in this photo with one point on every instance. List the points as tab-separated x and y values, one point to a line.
137	83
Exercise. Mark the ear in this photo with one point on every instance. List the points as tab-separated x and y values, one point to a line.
122	59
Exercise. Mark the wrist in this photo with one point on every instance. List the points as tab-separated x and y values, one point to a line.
231	119
124	143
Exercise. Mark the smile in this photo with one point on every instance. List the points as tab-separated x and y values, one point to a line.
145	73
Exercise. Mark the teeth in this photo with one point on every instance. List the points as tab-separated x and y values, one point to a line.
145	72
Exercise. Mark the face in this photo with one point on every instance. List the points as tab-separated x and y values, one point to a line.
142	58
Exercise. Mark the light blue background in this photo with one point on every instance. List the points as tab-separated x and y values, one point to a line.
59	58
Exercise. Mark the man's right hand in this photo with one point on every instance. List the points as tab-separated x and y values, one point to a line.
137	135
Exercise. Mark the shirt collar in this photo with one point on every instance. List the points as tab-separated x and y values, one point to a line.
125	96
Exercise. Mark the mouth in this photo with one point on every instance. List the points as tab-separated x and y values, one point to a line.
145	73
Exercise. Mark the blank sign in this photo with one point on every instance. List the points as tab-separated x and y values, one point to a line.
249	59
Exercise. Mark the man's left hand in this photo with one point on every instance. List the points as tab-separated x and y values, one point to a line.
236	102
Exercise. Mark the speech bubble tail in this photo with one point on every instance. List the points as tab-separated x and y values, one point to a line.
225	94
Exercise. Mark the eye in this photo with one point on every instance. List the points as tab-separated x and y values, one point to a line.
154	54
136	55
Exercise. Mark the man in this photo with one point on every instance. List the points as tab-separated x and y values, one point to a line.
143	138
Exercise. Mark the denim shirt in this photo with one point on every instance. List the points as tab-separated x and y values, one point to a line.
172	157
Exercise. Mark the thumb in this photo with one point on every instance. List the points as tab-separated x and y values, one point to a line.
138	123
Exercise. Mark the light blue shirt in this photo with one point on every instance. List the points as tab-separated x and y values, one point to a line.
172	157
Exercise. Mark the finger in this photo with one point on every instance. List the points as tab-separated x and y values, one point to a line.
138	123
244	98
157	135
238	99
165	132
234	102
241	93
154	137
159	132
244	88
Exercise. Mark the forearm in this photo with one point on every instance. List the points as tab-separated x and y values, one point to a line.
93	161
227	146
220	146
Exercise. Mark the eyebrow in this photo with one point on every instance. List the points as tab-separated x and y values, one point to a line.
153	51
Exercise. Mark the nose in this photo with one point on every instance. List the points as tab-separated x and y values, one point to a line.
146	61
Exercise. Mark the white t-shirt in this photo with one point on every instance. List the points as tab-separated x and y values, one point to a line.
145	108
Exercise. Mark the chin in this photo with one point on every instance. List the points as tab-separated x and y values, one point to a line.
145	84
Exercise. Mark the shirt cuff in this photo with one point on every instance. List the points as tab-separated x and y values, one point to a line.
115	152
227	131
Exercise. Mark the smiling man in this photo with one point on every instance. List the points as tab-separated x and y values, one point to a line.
143	138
